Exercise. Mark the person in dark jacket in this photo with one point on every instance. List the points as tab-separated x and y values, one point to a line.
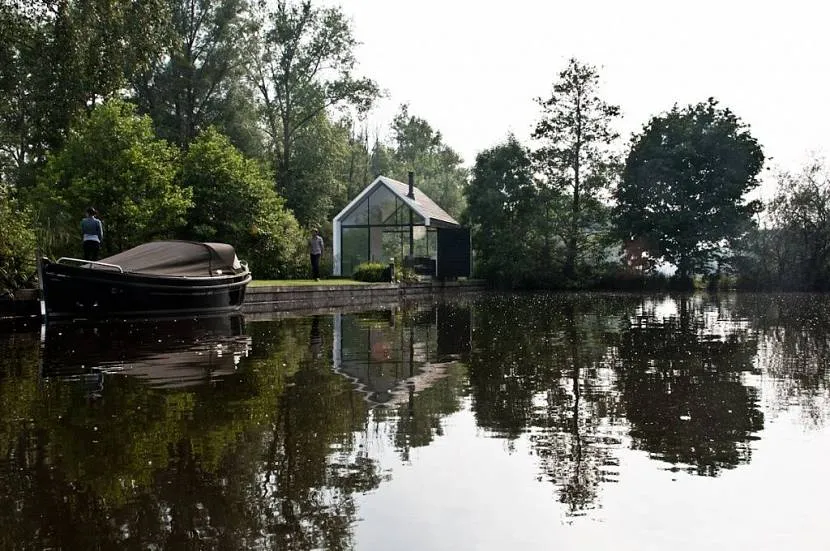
92	231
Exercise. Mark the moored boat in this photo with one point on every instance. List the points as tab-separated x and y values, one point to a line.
154	279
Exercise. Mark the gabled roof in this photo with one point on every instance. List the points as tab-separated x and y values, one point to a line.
432	214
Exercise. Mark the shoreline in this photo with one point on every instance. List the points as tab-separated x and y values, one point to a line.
24	310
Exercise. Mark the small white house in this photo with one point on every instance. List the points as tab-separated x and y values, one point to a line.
390	220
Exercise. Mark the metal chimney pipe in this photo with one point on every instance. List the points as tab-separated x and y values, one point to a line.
411	193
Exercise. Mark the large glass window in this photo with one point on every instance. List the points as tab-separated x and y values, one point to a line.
354	249
395	243
377	229
358	216
403	215
382	206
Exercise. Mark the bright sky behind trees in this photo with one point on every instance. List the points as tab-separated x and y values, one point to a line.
472	68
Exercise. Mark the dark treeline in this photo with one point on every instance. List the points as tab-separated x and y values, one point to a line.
244	121
221	120
573	211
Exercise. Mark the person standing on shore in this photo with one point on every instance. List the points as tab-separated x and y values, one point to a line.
92	230
315	248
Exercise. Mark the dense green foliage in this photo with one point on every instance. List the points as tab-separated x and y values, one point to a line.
199	81
269	96
57	59
17	246
305	66
234	202
112	161
438	168
502	202
372	272
542	218
683	186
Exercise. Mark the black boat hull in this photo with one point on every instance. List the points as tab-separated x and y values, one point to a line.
71	291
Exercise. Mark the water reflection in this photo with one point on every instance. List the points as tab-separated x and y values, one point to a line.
410	361
543	365
222	434
162	352
681	367
794	350
392	354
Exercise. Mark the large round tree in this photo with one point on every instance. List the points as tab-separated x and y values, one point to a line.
234	202
502	210
682	194
112	160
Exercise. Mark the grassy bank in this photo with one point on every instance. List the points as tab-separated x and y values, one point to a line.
302	282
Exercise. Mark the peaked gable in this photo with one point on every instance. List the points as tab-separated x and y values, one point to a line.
422	204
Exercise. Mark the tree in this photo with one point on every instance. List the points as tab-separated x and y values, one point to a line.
793	251
356	172
305	67
17	61
575	136
683	186
234	202
320	151
62	57
501	206
801	210
17	245
199	81
113	161
382	159
438	168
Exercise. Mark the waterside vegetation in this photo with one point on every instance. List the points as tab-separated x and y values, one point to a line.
245	122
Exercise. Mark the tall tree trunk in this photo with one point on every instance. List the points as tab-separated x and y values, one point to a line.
684	273
570	259
283	166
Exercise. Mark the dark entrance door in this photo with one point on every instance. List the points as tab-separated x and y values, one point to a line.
453	253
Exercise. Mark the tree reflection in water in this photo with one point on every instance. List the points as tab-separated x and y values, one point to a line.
680	367
580	374
268	444
794	348
540	366
169	435
242	461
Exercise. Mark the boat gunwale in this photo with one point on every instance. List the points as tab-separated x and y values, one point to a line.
133	278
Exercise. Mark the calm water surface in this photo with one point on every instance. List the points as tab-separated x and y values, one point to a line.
562	421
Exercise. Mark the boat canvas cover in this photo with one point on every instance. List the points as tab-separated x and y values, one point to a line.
178	258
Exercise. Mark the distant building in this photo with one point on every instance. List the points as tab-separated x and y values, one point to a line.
392	221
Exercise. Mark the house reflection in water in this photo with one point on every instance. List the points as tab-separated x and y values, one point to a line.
392	354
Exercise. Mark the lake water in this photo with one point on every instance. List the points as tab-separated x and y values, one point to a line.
499	421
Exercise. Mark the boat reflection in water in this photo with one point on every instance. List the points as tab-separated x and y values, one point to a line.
164	353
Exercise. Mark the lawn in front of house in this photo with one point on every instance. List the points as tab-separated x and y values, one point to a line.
302	282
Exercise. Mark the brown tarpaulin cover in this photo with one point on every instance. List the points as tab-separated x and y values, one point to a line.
178	258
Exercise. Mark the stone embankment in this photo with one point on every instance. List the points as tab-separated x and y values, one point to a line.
267	301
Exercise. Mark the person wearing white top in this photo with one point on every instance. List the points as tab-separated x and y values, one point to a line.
315	248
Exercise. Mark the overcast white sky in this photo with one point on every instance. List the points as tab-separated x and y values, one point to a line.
473	68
